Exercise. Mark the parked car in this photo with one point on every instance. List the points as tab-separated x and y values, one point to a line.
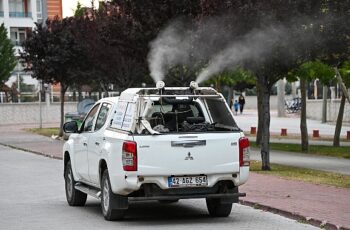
162	143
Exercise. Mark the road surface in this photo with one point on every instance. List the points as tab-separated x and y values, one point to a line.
32	197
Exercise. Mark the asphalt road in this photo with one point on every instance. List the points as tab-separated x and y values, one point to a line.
32	197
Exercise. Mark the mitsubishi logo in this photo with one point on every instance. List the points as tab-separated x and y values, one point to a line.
189	157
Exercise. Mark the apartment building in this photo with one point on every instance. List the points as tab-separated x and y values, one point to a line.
19	17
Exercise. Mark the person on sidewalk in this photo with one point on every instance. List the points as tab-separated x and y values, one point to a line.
241	102
235	106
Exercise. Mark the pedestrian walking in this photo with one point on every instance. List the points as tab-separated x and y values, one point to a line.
241	102
235	106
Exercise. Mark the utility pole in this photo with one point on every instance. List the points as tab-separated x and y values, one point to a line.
40	106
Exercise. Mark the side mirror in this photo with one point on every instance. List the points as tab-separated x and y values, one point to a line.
70	127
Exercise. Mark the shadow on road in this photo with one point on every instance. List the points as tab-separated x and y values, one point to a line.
155	213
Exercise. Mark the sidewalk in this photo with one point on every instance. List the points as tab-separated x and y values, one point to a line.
292	123
319	205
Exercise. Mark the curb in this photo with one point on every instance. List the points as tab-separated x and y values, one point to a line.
295	216
32	151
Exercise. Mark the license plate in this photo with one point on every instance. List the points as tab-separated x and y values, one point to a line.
187	181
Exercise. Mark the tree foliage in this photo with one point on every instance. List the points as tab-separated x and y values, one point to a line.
238	79
312	70
54	55
8	60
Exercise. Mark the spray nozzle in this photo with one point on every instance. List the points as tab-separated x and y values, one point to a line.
160	85
193	85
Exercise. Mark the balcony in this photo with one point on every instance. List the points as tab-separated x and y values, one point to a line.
16	43
20	14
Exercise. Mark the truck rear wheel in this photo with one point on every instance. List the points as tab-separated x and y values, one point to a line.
108	199
74	197
218	209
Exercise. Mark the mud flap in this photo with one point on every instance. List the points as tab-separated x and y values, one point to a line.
119	202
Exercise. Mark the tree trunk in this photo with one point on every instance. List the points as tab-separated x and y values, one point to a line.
342	85
336	140
264	119
260	115
62	93
324	103
104	88
303	124
80	95
265	138
230	97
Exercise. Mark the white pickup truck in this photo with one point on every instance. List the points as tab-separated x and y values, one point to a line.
162	143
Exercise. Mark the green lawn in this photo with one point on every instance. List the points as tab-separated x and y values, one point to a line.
303	174
343	151
48	132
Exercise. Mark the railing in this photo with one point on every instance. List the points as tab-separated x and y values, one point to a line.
16	43
1	13
20	14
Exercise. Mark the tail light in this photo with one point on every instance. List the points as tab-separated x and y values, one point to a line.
244	152
129	156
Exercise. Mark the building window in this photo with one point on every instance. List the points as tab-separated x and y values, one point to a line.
39	9
1	9
18	35
19	8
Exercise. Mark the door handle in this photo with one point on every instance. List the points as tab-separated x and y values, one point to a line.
97	143
85	144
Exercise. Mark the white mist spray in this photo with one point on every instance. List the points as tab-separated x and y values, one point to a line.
255	46
168	49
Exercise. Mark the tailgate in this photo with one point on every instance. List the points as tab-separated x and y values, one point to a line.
188	154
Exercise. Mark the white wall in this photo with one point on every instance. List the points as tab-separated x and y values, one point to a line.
314	110
251	102
29	113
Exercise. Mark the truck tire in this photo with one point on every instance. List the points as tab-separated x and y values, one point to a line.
218	209
74	197
107	200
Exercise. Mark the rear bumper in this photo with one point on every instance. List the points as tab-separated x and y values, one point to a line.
226	191
231	196
132	182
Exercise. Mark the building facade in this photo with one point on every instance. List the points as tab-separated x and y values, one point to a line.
19	18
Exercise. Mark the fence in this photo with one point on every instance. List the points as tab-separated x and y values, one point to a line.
29	113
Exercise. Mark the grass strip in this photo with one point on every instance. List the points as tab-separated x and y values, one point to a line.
342	151
48	132
304	174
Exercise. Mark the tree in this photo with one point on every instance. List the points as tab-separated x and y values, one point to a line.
335	42
54	56
79	11
310	70
238	79
345	74
8	60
